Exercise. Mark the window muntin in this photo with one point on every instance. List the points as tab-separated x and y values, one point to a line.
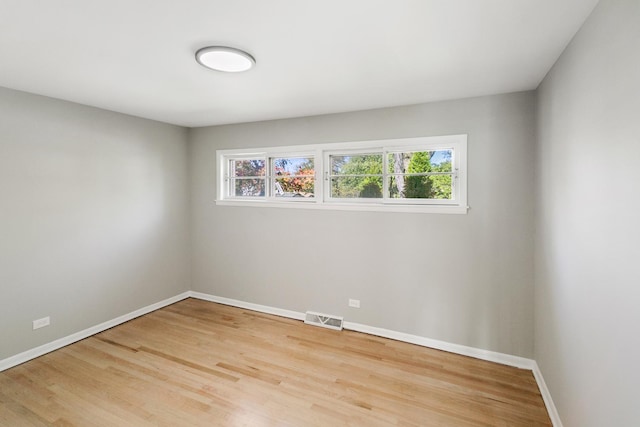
406	175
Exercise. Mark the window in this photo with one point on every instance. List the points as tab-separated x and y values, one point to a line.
421	175
248	178
293	176
409	175
355	176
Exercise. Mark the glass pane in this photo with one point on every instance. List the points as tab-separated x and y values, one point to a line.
294	176
361	164
293	166
420	187
441	160
300	186
248	167
248	187
351	187
420	161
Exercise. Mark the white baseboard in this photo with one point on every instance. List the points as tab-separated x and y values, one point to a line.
478	353
491	356
70	339
249	306
546	396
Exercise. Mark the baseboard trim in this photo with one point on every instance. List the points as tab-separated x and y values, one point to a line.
491	356
477	353
25	356
546	396
249	306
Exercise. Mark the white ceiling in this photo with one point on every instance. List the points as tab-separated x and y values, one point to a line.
313	56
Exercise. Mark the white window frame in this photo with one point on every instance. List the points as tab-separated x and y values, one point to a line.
322	200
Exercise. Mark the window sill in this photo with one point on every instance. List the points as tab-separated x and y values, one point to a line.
437	209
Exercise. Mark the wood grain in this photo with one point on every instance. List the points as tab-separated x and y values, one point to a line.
198	363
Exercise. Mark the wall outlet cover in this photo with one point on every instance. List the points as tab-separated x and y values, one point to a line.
41	323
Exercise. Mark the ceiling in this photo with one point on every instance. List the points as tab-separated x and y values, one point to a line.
313	56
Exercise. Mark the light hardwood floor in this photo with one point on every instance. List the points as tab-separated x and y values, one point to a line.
197	363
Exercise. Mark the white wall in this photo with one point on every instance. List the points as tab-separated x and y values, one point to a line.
587	249
93	216
465	279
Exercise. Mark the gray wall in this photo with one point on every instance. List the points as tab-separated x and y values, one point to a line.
465	279
93	216
587	254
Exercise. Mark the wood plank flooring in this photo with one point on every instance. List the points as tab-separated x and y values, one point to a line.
197	363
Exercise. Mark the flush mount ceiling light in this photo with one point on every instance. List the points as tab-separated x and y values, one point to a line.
227	59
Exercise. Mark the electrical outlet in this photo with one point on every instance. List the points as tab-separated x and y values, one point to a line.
41	323
355	303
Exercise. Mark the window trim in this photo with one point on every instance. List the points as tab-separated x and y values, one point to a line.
321	152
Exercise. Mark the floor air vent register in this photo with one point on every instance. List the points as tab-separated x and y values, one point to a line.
323	320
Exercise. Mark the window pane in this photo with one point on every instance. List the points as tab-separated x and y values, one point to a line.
294	176
441	160
248	167
361	164
404	184
350	187
420	187
248	187
300	186
292	166
420	161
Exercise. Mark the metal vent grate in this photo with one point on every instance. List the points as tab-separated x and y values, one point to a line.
323	320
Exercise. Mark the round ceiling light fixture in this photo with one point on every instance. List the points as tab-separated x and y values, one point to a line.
227	59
